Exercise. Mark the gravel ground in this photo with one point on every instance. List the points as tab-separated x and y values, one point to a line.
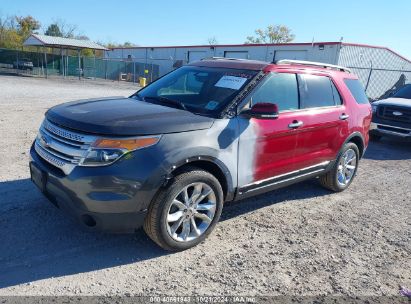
300	240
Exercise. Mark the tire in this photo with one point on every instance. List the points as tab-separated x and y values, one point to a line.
164	211
333	179
375	137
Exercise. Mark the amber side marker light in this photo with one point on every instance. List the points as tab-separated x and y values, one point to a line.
128	144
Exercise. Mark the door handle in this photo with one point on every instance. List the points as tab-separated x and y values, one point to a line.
344	116
295	124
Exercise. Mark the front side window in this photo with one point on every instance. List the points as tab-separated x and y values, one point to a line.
317	91
280	89
198	89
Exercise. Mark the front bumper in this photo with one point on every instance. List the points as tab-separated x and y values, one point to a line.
388	129
110	198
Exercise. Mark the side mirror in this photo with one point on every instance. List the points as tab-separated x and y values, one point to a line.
263	110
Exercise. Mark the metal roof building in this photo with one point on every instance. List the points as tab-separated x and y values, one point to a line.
380	69
60	42
63	44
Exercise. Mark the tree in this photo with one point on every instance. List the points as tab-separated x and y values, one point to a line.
26	25
9	35
53	30
111	45
60	28
128	44
272	34
212	40
82	37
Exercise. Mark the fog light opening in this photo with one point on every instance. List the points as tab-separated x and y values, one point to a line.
88	220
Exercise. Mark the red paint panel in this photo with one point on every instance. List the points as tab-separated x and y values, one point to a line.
275	146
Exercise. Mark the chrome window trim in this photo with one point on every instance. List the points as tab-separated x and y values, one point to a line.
322	164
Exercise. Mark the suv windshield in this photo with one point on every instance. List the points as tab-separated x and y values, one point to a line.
197	89
404	92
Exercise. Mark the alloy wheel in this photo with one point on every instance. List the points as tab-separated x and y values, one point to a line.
191	212
346	167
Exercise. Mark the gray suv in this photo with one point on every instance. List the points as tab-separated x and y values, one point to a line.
214	131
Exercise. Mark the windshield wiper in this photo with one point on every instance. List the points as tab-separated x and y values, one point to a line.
168	101
137	96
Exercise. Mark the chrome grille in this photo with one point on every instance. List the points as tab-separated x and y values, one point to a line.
60	147
389	113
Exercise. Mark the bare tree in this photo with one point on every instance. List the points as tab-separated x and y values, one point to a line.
61	28
212	40
272	34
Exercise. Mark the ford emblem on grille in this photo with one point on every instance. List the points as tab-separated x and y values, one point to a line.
45	141
396	113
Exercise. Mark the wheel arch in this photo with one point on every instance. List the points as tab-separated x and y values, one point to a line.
357	139
212	165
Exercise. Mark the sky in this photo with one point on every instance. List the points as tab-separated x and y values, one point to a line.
190	22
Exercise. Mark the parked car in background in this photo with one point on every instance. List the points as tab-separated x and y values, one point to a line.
392	116
23	64
213	131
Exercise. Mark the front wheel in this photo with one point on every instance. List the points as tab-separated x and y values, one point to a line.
184	213
343	172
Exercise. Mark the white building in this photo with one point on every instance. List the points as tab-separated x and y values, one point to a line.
379	68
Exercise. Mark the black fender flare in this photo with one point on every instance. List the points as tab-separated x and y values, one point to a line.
357	134
210	159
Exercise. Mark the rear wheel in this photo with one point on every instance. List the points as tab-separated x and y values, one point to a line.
344	169
184	213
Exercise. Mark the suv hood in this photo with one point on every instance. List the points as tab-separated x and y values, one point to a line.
125	116
393	101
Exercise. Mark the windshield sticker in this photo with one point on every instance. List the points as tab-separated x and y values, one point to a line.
211	105
243	75
231	82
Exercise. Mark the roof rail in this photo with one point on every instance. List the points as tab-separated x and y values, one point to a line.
316	64
222	58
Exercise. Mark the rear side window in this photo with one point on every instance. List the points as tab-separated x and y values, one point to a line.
281	89
317	91
357	90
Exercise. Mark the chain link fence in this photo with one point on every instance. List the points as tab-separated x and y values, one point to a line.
379	82
382	83
49	65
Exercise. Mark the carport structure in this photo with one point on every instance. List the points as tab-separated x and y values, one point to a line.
63	44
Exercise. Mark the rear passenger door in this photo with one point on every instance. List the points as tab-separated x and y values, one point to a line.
324	121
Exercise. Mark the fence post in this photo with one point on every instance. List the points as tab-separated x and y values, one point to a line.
369	77
95	70
105	69
45	62
79	64
134	72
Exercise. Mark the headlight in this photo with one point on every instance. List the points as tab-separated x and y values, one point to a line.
105	151
374	108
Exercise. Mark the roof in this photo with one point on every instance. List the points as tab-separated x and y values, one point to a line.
256	65
232	63
269	44
228	45
50	41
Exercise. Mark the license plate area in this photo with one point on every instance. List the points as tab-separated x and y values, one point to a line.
38	177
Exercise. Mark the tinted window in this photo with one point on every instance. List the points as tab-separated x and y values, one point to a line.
356	90
404	92
337	96
315	91
280	89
